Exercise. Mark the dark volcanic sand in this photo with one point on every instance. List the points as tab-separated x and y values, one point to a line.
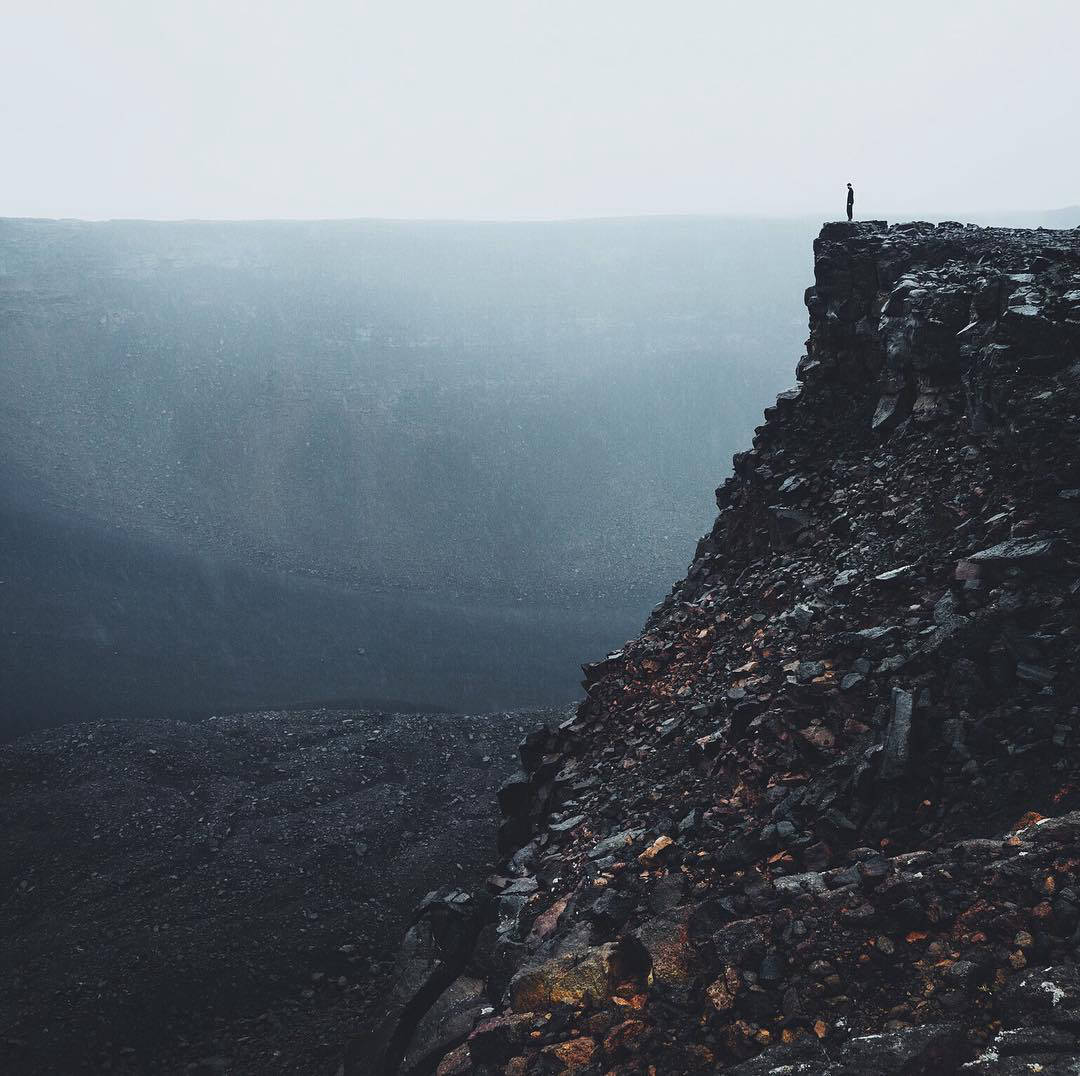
223	896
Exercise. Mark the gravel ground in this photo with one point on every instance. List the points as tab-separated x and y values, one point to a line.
224	896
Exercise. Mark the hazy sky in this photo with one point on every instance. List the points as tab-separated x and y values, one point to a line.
507	108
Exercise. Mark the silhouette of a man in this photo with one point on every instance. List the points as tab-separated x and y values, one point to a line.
850	201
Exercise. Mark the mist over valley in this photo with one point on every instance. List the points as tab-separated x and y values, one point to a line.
414	465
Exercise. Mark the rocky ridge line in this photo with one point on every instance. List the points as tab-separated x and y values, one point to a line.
822	815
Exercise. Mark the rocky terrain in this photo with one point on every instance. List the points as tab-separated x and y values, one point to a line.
226	896
823	815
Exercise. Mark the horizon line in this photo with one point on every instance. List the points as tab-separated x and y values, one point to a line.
583	219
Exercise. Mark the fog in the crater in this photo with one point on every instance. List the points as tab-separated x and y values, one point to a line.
419	464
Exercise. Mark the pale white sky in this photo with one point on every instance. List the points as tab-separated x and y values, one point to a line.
553	108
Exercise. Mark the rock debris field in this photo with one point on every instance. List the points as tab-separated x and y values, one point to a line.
823	815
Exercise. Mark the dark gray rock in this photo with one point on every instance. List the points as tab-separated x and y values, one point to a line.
915	1051
808	670
743	943
1015	551
617	844
897	735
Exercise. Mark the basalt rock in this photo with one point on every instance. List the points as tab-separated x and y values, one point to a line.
828	797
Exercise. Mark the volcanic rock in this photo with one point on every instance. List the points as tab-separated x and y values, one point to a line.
854	712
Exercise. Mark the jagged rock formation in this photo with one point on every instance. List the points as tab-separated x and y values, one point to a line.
823	815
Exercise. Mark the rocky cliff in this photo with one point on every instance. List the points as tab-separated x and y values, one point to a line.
823	814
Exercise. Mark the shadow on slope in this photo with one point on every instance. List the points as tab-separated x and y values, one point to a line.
96	624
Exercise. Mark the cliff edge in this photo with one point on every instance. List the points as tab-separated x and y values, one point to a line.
823	814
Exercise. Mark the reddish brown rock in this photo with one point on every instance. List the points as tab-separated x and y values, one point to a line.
573	1054
592	975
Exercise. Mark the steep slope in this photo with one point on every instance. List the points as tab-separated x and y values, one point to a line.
97	624
800	824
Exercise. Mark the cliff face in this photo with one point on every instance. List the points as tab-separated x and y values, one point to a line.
822	812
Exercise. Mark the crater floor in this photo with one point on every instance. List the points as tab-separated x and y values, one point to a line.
223	896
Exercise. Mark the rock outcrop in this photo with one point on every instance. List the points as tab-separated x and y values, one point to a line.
823	814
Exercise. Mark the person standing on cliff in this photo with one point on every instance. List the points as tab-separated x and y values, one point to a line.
850	201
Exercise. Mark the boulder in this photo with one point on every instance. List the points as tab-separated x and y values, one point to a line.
591	975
